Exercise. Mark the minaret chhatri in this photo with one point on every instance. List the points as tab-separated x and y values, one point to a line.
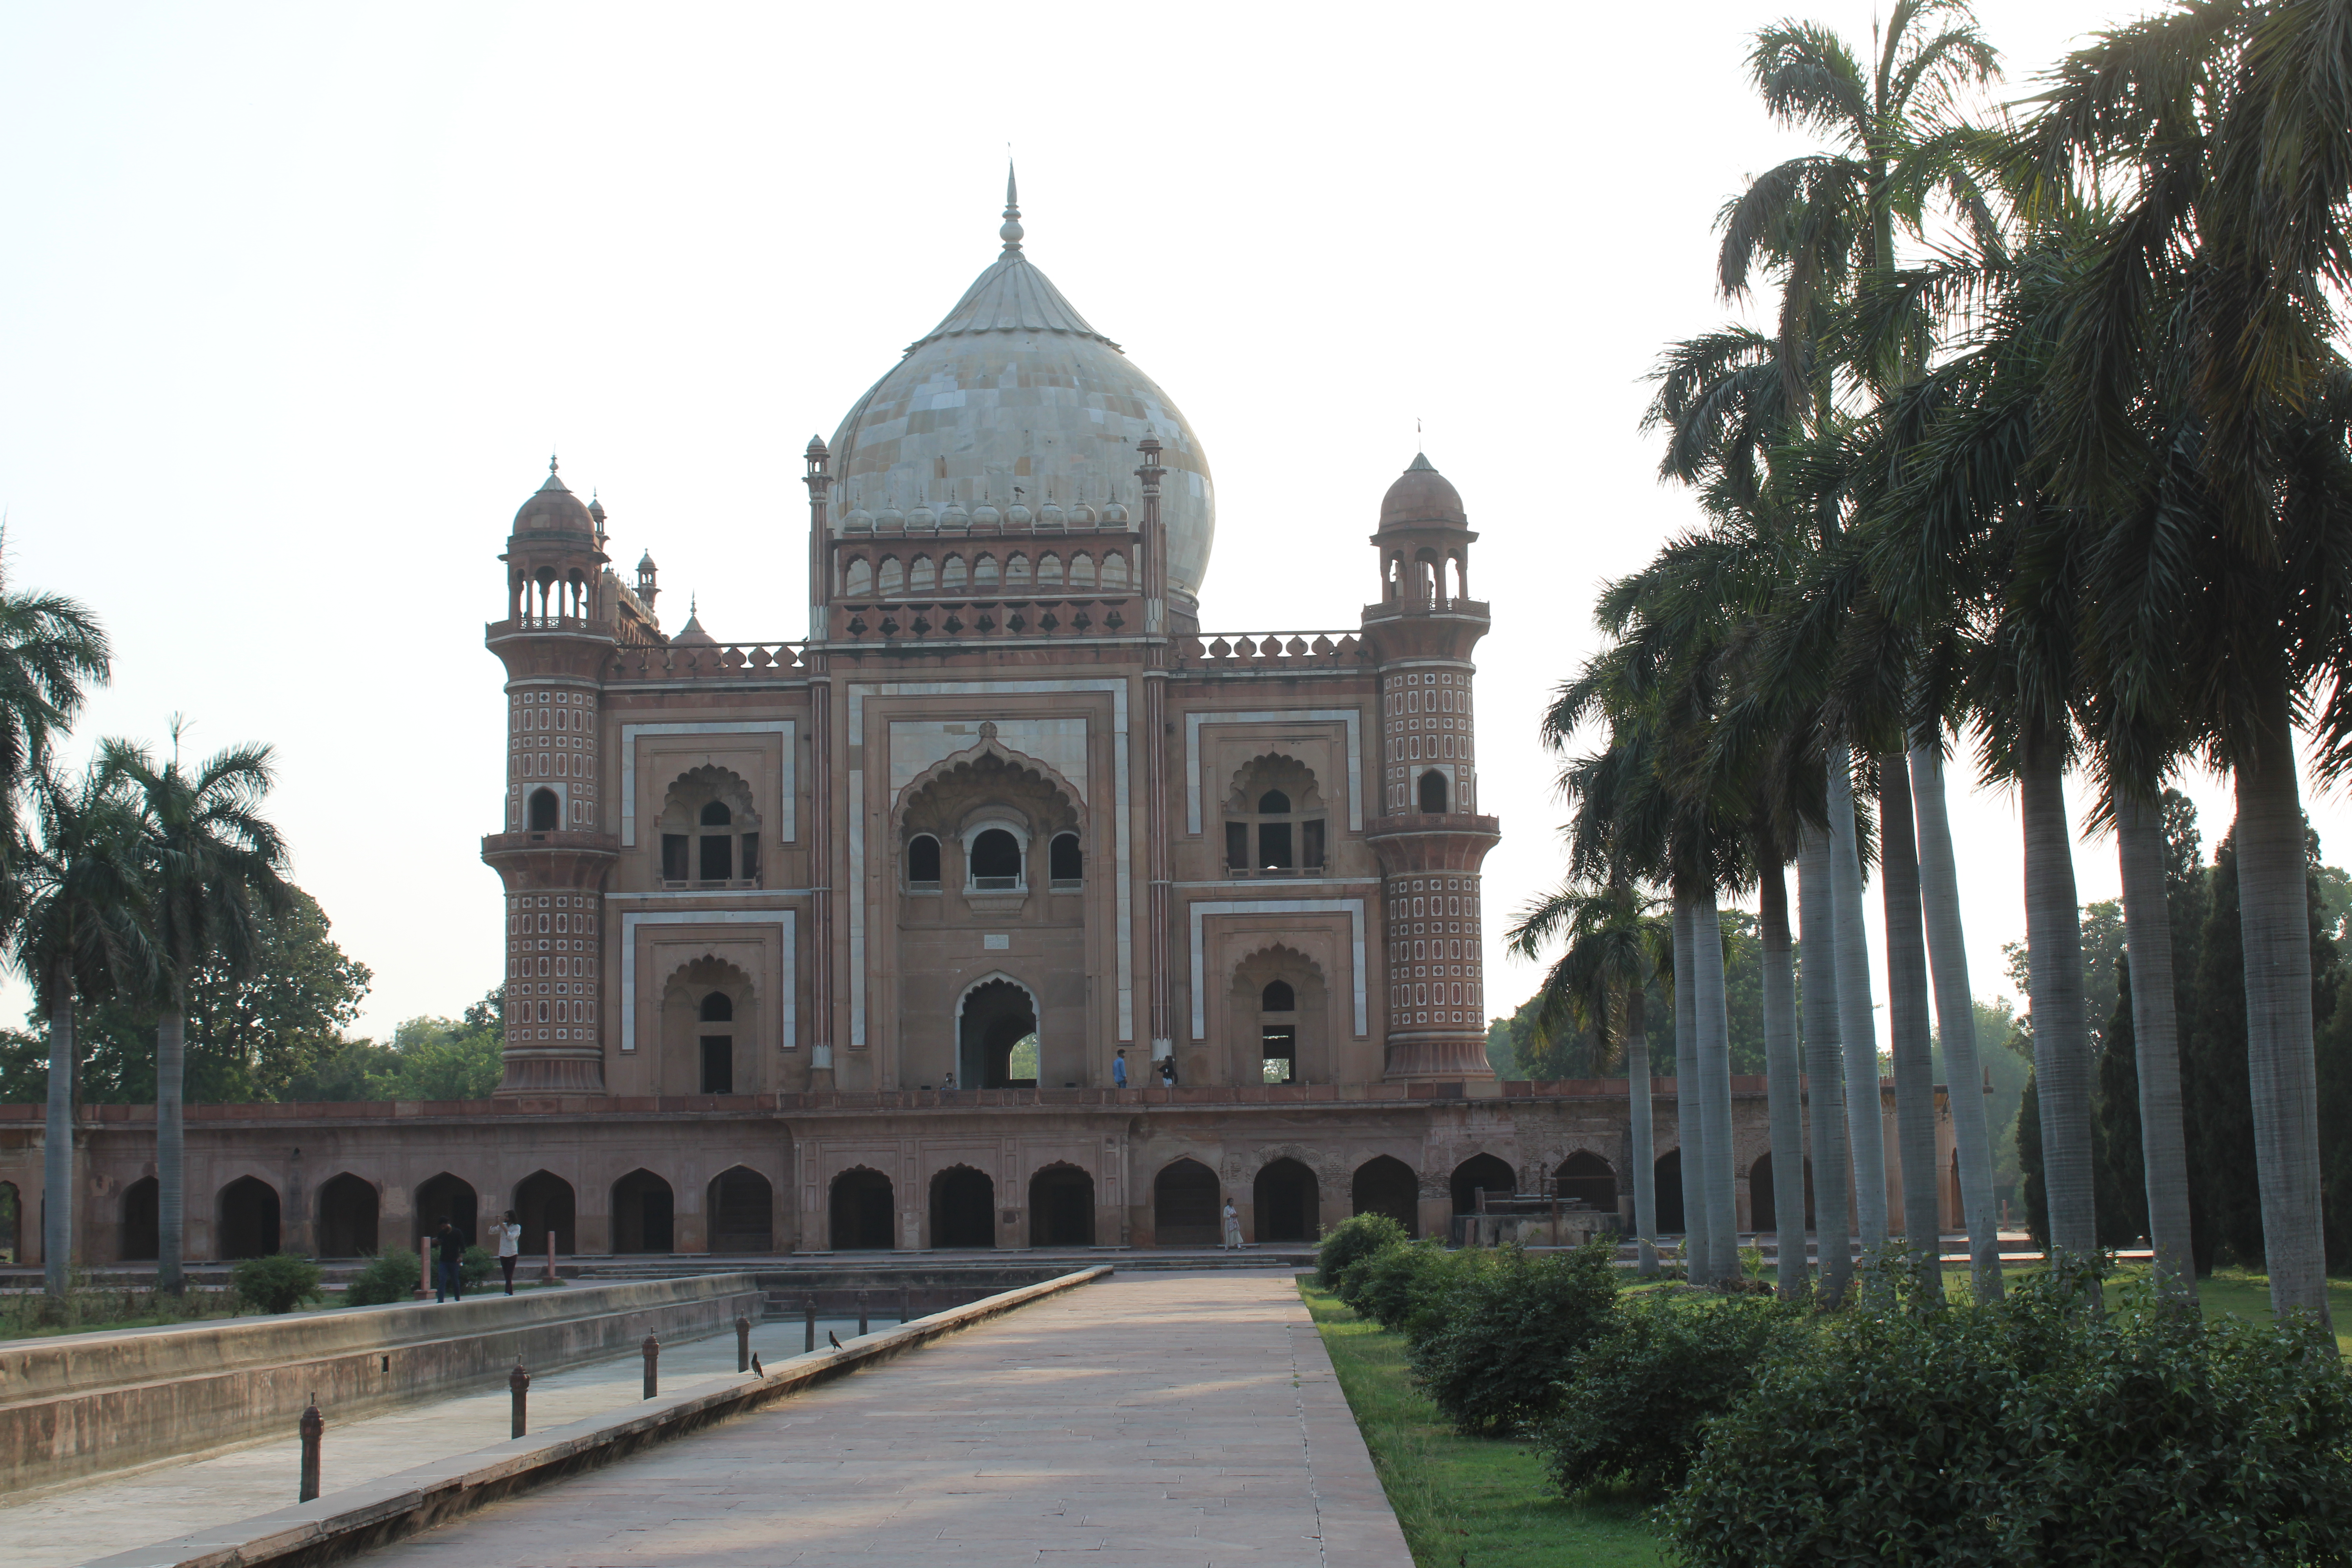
1428	837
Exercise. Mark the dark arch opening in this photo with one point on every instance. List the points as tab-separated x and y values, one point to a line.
997	1016
718	1009
1064	862
142	1231
546	812
1481	1172
1061	1207
643	1214
1288	1201
963	1208
1763	1209
742	1207
1669	1199
444	1197
862	1211
12	1211
348	1208
1386	1184
248	1218
923	858
1278	997
716	815
1272	803
545	1201
1433	791
1184	1205
1586	1178
995	859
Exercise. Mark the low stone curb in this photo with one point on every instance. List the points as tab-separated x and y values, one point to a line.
346	1523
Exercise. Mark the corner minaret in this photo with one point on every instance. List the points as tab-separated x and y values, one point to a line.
1429	838
552	852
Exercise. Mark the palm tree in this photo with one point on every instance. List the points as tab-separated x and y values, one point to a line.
214	872
1824	1069
1617	943
81	938
2156	1035
51	648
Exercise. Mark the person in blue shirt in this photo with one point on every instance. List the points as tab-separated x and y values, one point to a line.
1119	1070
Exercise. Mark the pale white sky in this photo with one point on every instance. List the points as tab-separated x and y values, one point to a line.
294	300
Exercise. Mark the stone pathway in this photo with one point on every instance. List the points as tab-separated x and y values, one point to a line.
1147	1420
94	1519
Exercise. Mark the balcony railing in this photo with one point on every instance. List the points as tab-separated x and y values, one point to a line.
1282	649
961	620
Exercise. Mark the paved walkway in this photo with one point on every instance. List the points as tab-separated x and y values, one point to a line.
1147	1420
79	1522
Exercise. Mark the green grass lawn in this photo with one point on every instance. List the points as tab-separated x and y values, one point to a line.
1464	1502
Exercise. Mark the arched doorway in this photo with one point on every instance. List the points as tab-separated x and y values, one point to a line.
1061	1207
997	1038
1386	1184
449	1197
1481	1172
741	1206
544	1202
643	1214
1287	1200
11	1219
142	1222
1586	1178
1669	1198
862	1211
963	1208
1184	1205
347	1217
1763	1212
248	1218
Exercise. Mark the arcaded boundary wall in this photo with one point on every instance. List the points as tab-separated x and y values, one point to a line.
83	1404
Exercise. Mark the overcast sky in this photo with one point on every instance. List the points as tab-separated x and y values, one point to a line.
295	300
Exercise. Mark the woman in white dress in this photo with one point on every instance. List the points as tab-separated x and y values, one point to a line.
1233	1226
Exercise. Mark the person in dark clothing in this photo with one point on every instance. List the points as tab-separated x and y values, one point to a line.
449	1246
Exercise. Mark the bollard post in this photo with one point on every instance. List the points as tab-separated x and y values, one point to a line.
810	1343
861	1313
519	1382
743	1345
550	1255
652	1349
906	1303
425	1268
314	1426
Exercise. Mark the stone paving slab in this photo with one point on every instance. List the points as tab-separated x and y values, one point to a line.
93	1519
1158	1421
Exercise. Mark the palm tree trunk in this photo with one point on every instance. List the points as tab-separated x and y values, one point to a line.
1906	1021
58	1148
1781	1072
1825	1068
1638	1098
2156	1037
1715	1089
1857	1036
2275	926
171	1147
2053	946
1690	1138
1956	1020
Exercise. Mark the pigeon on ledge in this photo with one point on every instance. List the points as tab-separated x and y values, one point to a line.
832	1339
756	1369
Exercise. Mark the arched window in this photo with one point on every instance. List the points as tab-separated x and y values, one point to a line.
1279	997
1082	572
995	861
710	833
984	572
546	812
859	581
717	1045
716	851
716	815
892	577
951	572
718	1009
1433	791
1064	865
1283	836
1114	570
1274	803
923	863
922	575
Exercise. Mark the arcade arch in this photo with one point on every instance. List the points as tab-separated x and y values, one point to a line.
349	1207
1288	1201
1061	1206
248	1218
863	1213
740	1203
1184	1205
963	1208
544	1202
1386	1184
996	1035
1481	1172
643	1214
142	1236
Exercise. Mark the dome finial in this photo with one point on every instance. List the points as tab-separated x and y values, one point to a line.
551	462
1011	233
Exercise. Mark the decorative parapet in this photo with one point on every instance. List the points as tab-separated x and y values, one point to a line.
1223	650
967	620
704	661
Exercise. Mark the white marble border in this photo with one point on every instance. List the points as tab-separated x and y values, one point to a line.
788	1004
629	734
1352	908
1192	779
858	692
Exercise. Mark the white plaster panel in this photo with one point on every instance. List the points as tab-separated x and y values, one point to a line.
629	734
788	1005
918	744
1352	716
1352	908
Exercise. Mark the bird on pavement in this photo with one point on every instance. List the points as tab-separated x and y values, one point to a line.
757	1371
832	1339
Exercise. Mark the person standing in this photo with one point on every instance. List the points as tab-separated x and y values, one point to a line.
1233	1226
448	1283
1168	1072
1119	1069
509	1235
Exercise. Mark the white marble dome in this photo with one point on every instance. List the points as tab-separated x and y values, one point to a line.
1015	402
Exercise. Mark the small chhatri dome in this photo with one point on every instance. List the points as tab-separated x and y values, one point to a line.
691	634
645	563
1422	497
553	506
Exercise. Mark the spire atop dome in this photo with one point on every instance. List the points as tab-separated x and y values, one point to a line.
1011	233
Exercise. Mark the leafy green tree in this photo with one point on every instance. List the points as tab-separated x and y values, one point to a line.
443	1058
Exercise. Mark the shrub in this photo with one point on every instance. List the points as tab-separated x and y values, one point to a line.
2036	1429
1636	1401
388	1277
1350	1239
475	1265
1492	1355
278	1283
1397	1286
